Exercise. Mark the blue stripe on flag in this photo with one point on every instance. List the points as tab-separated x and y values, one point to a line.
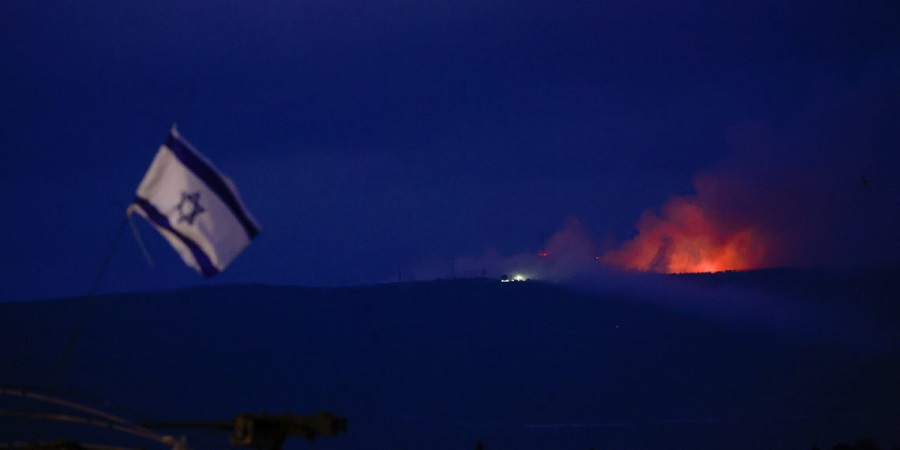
184	152
158	219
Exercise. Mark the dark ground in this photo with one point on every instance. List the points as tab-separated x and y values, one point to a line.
777	359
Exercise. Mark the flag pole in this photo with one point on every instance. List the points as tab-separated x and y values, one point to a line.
85	306
137	237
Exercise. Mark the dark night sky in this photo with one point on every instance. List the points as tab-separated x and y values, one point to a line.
363	135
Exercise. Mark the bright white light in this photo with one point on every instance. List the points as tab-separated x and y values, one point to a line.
515	278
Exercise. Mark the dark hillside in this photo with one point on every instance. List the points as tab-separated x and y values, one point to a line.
442	364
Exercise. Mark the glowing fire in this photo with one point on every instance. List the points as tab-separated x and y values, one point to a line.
687	238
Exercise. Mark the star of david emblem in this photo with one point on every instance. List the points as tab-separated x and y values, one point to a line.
189	207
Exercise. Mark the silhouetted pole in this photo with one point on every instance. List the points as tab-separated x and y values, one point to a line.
85	305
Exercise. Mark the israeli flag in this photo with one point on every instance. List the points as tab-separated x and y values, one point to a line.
194	206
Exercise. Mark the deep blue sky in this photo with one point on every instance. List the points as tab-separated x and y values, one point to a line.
363	135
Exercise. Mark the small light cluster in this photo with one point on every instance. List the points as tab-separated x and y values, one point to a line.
515	278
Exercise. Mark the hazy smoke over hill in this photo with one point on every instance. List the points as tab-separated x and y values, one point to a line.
690	236
822	192
569	252
819	190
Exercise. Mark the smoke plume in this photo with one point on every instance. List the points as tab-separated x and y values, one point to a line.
821	191
690	236
568	253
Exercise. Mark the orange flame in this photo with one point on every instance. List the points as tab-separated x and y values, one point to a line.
689	238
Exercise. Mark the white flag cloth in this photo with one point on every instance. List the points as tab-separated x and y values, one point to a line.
194	206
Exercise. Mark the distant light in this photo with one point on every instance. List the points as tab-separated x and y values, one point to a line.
515	278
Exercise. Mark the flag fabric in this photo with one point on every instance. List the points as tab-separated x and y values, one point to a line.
194	206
